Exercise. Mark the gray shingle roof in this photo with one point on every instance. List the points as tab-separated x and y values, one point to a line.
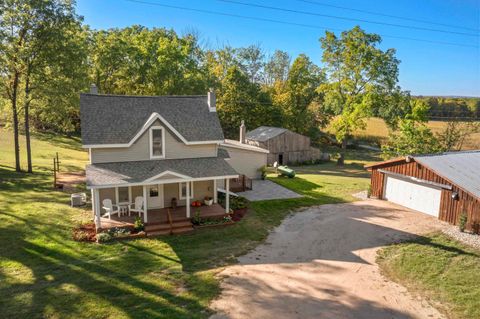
116	119
461	168
264	133
223	153
103	174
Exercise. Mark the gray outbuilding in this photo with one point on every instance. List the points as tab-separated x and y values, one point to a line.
284	146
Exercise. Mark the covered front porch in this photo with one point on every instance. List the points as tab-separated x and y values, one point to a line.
159	199
160	216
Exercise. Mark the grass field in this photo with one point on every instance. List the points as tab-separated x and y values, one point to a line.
377	131
440	269
45	274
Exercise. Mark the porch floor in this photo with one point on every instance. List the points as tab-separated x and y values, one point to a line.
159	216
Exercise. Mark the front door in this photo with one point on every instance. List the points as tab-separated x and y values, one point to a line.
155	196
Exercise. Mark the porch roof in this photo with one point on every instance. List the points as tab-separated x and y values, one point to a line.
145	172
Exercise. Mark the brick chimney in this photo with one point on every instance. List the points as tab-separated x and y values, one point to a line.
212	101
93	89
243	132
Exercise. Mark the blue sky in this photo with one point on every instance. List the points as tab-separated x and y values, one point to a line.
426	68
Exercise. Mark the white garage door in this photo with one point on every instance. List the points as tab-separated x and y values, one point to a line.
419	197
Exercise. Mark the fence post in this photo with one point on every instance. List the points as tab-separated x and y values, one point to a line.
54	173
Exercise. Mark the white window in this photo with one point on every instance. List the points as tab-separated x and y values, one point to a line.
153	191
123	194
157	142
183	190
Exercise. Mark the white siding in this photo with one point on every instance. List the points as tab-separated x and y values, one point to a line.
246	162
139	151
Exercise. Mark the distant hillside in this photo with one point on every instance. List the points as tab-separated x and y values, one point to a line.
441	107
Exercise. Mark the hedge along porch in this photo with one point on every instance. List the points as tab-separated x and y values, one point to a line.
159	195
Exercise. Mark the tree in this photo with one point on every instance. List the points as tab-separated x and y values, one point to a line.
55	98
361	79
13	31
413	136
239	99
455	133
138	60
277	67
251	61
299	94
33	33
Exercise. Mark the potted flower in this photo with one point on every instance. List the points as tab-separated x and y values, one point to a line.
208	201
196	203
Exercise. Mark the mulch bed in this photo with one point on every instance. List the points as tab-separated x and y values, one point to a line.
239	214
85	232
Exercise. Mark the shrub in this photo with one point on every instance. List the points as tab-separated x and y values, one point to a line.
238	202
104	237
197	220
369	191
138	224
476	228
122	232
263	170
462	222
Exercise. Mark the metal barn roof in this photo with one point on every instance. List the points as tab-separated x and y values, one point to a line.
461	168
264	133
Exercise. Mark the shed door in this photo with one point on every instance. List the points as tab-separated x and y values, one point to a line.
419	197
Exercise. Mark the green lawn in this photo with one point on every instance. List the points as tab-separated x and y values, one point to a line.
44	273
440	269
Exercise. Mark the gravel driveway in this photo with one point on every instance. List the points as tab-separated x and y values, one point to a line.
320	263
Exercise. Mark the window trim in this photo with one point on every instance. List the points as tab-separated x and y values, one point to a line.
180	190
151	142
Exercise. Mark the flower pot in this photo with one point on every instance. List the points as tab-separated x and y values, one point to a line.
208	202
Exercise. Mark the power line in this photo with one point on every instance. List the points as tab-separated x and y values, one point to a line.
388	15
287	22
248	4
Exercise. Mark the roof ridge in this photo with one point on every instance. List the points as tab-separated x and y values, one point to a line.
448	153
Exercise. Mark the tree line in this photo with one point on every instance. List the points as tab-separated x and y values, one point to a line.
452	108
48	56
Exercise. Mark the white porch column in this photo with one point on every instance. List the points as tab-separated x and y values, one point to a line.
227	195
92	196
188	199
96	207
145	204
215	195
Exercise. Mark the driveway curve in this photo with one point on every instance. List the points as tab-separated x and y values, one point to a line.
320	263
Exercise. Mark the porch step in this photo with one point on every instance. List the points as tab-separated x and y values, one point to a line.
182	230
178	227
158	226
164	226
158	233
